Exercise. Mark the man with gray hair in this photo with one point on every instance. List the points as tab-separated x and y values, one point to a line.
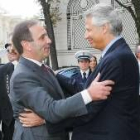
117	117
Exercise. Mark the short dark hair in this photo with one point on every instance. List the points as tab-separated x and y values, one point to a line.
22	32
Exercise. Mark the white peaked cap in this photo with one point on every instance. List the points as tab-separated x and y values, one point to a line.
83	54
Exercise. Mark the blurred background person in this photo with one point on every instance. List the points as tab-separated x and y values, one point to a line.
6	112
137	53
83	58
76	82
93	63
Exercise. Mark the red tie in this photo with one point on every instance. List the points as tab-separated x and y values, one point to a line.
46	69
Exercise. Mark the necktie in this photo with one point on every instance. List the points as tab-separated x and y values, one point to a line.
46	69
84	77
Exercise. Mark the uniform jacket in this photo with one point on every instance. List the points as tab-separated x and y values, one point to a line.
79	79
71	85
6	112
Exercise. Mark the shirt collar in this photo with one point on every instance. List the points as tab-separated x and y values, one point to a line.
15	62
109	45
34	61
87	72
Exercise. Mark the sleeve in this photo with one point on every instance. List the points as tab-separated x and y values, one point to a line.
69	85
111	69
31	94
5	105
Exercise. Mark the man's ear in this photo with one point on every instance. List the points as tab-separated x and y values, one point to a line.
26	45
106	27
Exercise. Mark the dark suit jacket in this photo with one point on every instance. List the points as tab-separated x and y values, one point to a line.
79	79
33	88
5	105
117	117
71	85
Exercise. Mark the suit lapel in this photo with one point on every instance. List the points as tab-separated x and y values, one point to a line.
35	68
51	79
92	75
48	77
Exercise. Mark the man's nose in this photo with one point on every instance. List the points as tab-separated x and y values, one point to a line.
48	40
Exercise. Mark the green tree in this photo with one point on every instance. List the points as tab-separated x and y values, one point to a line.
133	7
51	16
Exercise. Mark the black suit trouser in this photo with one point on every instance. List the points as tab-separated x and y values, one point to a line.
8	131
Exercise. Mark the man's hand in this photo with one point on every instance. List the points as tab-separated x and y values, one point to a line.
30	119
100	90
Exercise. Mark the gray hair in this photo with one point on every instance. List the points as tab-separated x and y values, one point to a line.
22	32
102	14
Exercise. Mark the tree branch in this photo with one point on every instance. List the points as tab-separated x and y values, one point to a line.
122	5
128	8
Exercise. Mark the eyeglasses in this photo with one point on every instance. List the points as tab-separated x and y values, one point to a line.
7	45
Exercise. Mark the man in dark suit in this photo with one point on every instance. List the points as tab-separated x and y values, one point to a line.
116	118
34	86
6	112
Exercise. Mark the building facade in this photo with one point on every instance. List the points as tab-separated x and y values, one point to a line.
69	32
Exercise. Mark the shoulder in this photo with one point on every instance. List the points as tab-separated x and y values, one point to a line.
21	72
122	52
4	68
119	59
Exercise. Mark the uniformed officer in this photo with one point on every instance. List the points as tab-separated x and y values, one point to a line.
6	113
83	58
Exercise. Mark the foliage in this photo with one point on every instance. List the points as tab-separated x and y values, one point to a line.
54	11
55	15
133	7
48	22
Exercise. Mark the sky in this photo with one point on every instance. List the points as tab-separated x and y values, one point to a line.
24	8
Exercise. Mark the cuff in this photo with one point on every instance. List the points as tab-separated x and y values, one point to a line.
86	97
